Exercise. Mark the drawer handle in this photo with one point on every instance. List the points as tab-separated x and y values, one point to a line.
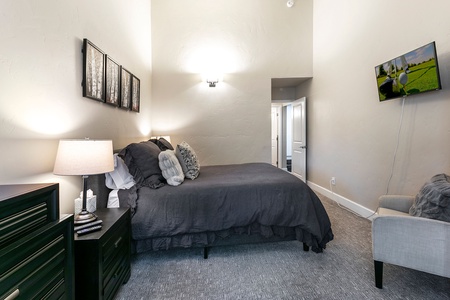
13	295
116	244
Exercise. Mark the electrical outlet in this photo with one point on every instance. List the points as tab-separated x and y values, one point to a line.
333	180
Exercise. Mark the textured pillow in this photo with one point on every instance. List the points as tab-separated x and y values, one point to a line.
433	200
143	163
188	160
171	168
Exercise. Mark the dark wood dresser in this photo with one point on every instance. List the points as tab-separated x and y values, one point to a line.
36	244
102	258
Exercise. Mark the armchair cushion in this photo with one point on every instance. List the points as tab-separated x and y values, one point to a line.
390	212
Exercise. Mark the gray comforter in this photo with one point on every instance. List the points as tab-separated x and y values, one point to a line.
254	195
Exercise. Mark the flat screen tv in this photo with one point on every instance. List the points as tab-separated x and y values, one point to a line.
414	72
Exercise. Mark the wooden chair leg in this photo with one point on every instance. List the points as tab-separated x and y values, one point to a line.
378	273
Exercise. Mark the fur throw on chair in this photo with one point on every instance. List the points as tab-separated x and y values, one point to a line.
433	200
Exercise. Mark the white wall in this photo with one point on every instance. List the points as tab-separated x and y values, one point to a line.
249	41
40	77
350	134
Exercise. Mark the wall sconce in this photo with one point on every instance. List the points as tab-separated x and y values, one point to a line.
212	81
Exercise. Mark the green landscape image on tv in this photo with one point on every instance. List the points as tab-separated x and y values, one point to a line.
412	73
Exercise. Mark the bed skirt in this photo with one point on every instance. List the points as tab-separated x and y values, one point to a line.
255	233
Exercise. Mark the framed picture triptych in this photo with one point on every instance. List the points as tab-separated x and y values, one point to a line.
107	81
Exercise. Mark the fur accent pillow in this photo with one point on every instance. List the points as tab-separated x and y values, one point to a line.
433	200
188	160
171	168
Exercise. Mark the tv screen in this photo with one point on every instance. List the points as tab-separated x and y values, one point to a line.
412	73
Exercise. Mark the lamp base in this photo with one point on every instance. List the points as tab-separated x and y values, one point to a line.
84	217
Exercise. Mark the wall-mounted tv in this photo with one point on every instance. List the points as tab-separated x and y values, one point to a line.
412	73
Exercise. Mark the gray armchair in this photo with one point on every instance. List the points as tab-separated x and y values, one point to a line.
413	242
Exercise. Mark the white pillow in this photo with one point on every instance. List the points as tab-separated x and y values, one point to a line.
170	167
113	199
120	178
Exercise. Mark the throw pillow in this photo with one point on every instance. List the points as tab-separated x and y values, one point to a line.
188	160
143	163
433	200
170	167
120	178
162	143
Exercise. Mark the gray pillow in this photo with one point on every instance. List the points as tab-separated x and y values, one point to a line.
188	160
433	199
143	163
162	143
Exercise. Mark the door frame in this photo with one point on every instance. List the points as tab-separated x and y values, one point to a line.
278	107
282	153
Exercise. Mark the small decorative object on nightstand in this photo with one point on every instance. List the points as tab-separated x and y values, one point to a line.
102	258
91	202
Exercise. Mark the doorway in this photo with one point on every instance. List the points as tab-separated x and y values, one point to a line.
289	137
291	143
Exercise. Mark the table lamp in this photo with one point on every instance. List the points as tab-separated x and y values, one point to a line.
84	157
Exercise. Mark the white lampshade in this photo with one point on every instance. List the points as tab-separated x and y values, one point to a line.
84	157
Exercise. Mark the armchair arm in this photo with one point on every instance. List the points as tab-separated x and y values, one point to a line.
396	202
412	242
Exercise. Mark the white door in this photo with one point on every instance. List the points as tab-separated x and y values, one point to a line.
299	138
275	136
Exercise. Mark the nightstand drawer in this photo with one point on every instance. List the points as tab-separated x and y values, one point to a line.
119	272
113	250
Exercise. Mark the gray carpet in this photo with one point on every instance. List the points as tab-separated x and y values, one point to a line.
280	270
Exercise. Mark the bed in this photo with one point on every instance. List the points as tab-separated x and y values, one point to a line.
223	204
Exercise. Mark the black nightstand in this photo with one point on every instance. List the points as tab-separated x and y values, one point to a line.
102	258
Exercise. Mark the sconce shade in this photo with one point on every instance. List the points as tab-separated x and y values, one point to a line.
84	157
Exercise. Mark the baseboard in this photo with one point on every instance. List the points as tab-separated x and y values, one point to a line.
349	204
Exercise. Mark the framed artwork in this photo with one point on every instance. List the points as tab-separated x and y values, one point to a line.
112	89
135	94
93	72
125	88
